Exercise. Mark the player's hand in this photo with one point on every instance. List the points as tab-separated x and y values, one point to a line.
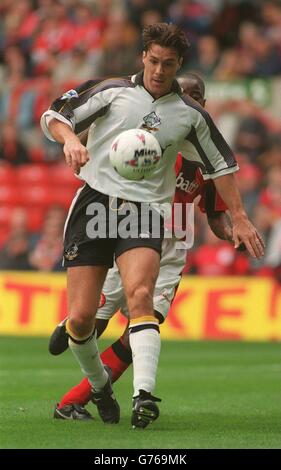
76	155
245	233
229	237
241	247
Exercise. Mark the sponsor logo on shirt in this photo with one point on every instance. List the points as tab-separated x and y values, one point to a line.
186	185
69	94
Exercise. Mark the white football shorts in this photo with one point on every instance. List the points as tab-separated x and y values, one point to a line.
171	265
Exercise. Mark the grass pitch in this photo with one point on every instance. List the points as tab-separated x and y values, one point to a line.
216	395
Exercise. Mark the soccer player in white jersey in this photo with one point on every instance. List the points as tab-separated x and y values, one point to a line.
117	357
151	98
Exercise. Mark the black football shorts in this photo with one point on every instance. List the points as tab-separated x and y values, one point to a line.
100	228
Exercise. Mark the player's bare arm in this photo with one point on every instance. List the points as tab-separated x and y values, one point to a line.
220	224
243	229
76	154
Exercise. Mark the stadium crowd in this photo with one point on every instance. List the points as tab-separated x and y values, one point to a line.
49	46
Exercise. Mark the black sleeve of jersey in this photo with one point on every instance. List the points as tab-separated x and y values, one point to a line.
215	135
65	106
210	200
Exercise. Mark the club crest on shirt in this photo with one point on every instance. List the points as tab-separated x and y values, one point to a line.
69	94
151	121
71	252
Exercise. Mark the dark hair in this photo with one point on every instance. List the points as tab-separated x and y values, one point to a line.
195	76
165	35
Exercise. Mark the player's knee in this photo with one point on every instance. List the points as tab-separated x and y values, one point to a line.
140	297
81	325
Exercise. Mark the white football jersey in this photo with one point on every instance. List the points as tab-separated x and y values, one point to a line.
116	105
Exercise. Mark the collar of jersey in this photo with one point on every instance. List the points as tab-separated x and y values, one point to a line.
138	80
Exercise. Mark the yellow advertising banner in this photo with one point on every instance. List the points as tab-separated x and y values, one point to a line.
221	308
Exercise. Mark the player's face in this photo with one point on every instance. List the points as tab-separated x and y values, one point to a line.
192	88
160	67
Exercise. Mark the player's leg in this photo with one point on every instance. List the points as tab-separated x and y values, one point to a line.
116	357
172	263
139	269
71	405
87	258
84	284
111	299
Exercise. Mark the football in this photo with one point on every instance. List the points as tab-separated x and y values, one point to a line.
135	154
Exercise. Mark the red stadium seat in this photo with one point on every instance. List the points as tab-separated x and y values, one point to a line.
35	217
7	174
9	195
5	216
34	174
36	196
63	196
62	175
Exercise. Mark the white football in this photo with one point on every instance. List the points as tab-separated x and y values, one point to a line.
135	153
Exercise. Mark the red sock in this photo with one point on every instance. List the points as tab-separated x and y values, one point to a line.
117	357
80	394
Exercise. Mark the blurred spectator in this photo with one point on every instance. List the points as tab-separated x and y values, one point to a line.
77	64
258	55
272	157
267	217
19	23
251	137
271	196
208	56
16	101
15	63
15	251
120	45
150	17
137	9
228	66
25	21
55	35
12	150
47	252
271	15
228	18
194	17
89	25
248	181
